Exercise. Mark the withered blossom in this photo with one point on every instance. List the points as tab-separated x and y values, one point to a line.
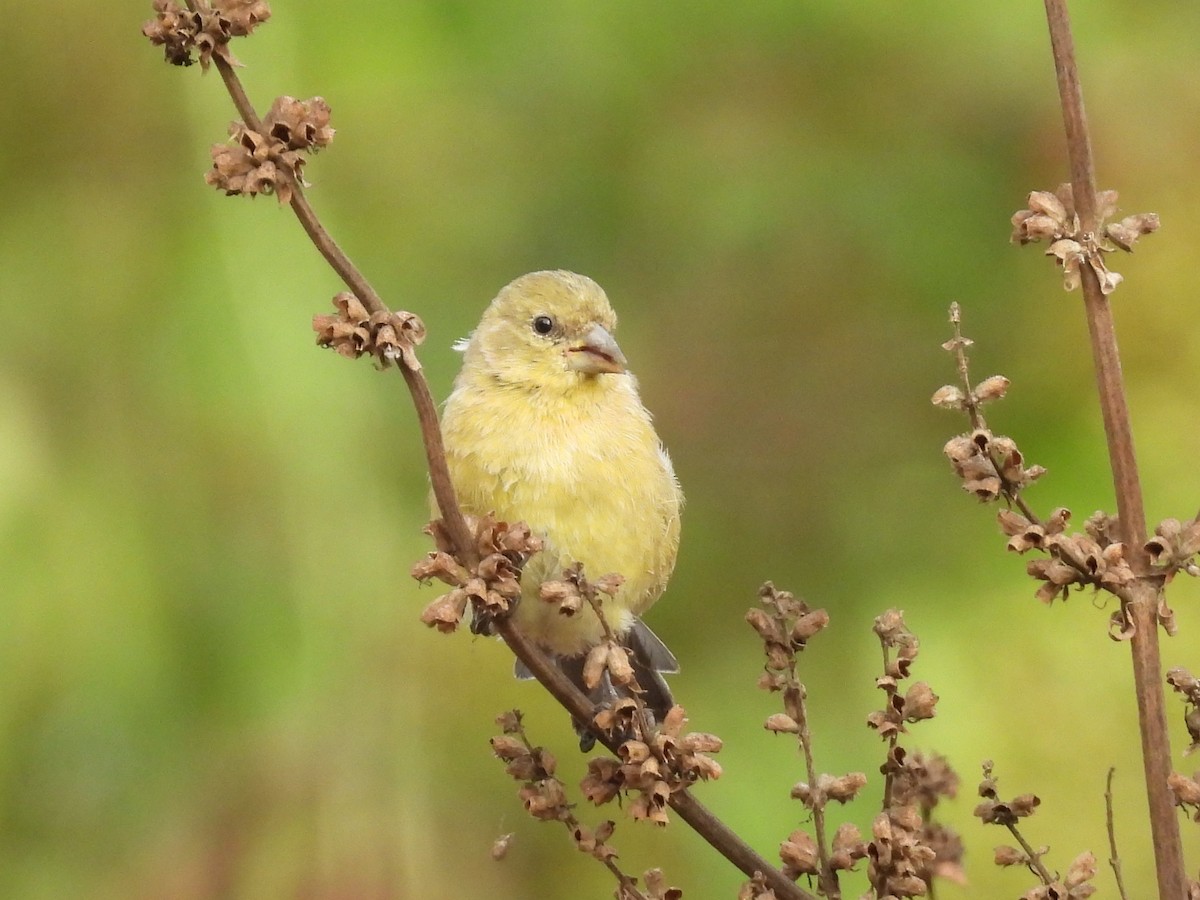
841	789
799	855
299	124
1185	683
848	847
603	780
491	587
649	771
207	31
592	842
657	887
948	396
1174	546
898	856
989	465
923	780
1075	885
271	162
756	889
781	723
1052	217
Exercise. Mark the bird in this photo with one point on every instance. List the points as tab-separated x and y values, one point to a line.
545	425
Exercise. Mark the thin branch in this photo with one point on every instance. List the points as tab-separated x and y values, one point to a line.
1147	667
1035	860
794	695
1114	858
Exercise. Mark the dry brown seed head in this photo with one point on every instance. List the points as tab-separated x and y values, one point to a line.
960	448
808	625
593	665
674	720
766	625
508	748
1011	523
700	742
992	388
1009	856
948	397
845	788
1186	790
1025	804
446	612
799	853
1082	869
509	721
778	656
804	792
603	780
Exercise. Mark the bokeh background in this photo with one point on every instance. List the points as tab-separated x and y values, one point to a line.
213	683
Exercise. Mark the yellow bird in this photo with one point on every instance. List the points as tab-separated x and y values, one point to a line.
545	426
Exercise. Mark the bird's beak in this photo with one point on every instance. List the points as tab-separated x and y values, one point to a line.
596	353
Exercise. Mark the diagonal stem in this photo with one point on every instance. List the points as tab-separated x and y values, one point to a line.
1142	605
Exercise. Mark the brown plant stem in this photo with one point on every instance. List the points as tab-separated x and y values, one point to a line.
1035	860
733	848
794	695
1147	667
1114	858
712	829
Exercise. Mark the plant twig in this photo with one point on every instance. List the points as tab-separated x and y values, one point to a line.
1147	667
1114	858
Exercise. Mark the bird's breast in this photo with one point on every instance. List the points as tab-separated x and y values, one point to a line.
590	477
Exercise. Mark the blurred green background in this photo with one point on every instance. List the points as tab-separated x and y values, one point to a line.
213	682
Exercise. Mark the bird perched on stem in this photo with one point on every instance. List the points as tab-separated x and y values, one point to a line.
545	426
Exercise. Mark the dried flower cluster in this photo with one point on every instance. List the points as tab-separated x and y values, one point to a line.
271	161
921	782
918	702
1174	546
1075	885
992	468
609	658
1188	685
756	889
907	849
1052	217
651	767
206	32
989	465
570	592
786	624
545	798
801	854
1090	558
490	587
354	332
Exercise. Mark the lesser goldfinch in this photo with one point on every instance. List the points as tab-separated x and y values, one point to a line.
545	426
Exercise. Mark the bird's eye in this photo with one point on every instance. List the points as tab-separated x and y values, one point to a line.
543	324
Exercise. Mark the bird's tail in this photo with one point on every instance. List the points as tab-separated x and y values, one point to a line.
650	658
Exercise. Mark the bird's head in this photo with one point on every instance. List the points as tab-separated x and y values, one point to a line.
547	329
